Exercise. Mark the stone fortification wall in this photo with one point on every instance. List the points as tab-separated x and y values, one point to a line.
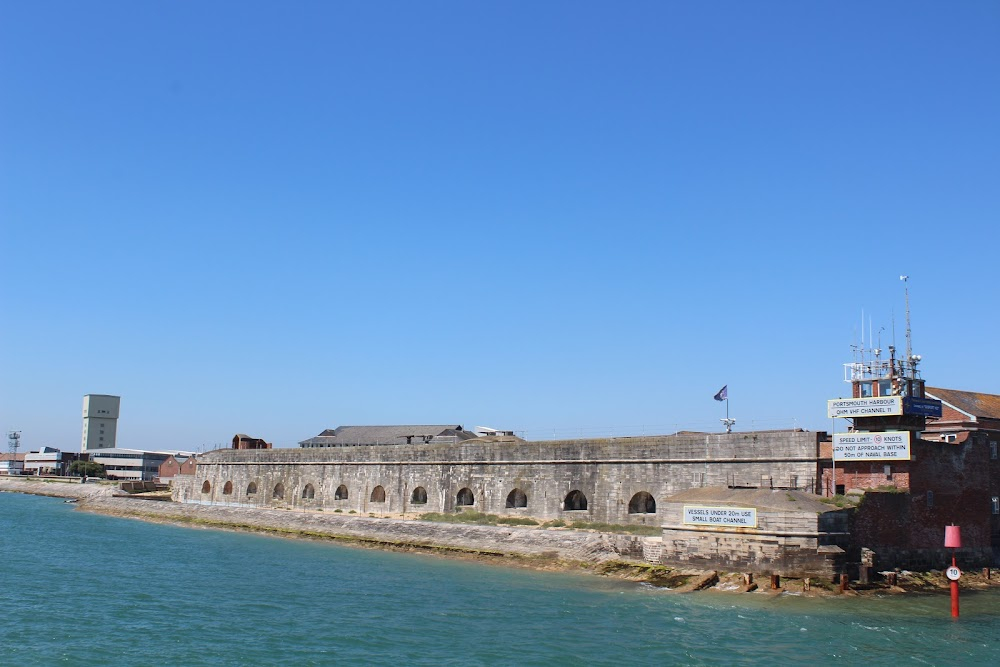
785	543
608	473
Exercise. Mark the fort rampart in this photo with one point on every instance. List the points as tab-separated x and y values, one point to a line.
589	480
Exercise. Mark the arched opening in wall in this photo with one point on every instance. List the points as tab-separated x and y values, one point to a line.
465	497
642	503
341	493
516	498
227	490
378	495
252	488
309	492
206	487
575	501
279	491
419	496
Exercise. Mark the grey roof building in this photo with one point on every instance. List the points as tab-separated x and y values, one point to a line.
355	436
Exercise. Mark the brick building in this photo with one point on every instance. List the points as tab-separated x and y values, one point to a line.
244	441
944	471
177	465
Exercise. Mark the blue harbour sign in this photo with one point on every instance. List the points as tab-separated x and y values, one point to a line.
925	407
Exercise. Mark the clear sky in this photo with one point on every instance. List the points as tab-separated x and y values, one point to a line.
562	218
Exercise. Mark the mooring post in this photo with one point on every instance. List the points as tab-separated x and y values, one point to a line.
843	583
775	582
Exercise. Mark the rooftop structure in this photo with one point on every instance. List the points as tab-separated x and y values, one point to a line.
244	441
357	436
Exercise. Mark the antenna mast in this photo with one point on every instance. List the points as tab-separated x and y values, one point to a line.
13	442
906	289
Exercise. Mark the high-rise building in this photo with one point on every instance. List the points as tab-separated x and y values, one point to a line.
100	421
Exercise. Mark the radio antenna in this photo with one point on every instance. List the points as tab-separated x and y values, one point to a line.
909	344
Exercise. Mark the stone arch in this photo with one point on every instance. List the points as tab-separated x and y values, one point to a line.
465	497
575	501
279	491
642	503
516	498
341	493
419	496
309	492
378	494
206	487
252	488
227	490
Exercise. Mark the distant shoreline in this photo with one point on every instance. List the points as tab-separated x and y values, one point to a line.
564	550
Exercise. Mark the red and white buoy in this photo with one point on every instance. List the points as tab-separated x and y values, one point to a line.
953	540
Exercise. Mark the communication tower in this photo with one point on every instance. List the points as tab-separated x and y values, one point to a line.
13	442
887	410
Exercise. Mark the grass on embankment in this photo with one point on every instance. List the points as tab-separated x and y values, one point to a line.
483	519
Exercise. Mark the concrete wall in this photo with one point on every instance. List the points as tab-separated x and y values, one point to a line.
608	472
785	543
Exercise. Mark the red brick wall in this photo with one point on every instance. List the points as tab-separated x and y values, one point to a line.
168	468
948	483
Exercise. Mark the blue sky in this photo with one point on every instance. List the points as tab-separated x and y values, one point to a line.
563	218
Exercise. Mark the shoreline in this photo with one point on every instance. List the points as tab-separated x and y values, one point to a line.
549	550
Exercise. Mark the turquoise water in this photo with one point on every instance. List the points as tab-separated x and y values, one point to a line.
83	589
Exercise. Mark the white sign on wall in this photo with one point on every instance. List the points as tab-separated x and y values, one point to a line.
864	407
889	446
740	517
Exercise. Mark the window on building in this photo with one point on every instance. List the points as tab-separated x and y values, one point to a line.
516	498
642	503
227	490
205	488
866	389
575	501
378	495
341	493
888	472
993	449
309	492
465	497
930	499
279	491
419	496
252	489
996	504
885	387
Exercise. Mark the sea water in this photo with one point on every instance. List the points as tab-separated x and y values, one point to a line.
86	589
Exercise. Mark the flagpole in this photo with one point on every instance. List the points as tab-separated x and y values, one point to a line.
723	395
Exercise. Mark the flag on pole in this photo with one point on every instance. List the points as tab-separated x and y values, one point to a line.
723	394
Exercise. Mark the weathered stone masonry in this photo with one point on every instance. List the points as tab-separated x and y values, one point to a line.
487	476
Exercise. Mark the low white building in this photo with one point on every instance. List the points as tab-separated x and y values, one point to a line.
47	461
11	464
132	464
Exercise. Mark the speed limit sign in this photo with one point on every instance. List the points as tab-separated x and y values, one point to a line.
953	573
